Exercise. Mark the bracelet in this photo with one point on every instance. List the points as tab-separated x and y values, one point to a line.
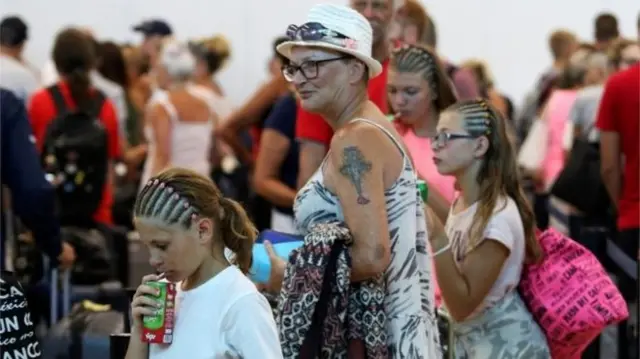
441	250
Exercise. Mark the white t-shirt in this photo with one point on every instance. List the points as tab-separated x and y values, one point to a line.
17	78
505	226
225	317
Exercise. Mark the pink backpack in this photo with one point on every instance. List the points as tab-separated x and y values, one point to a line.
570	295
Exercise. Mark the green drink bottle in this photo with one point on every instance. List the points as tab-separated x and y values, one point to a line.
423	188
154	322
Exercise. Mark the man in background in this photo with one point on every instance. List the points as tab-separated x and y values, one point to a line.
619	124
15	74
606	31
154	32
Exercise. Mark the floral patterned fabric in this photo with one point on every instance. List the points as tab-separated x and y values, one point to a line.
321	314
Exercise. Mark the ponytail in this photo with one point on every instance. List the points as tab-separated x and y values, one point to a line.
80	88
238	233
74	56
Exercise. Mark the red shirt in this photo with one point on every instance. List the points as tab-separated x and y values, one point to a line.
620	112
42	110
313	127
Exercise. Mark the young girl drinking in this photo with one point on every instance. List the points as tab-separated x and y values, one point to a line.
186	223
488	237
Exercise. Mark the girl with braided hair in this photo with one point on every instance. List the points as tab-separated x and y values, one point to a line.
418	91
186	223
489	235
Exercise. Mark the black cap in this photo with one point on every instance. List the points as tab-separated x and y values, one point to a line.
154	27
13	31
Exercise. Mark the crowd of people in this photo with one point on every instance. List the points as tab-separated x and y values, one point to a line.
359	106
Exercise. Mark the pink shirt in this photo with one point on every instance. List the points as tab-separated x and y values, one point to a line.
420	150
556	115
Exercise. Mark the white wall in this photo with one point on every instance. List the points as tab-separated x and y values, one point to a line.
510	35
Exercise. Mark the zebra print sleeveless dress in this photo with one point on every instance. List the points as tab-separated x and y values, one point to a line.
410	303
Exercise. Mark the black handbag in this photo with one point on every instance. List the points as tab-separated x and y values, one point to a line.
580	183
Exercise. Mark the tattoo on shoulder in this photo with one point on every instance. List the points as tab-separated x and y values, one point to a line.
355	166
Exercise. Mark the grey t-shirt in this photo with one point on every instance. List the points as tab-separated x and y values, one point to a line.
585	109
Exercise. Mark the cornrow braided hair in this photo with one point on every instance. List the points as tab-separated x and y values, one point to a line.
479	115
498	175
160	201
412	58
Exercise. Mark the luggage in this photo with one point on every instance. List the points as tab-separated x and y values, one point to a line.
83	332
95	261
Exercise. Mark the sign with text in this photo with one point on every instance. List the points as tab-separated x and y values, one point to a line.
17	332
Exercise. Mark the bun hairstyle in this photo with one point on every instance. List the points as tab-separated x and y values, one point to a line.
178	60
215	51
498	177
178	196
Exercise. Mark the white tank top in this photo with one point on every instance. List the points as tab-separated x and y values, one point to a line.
190	141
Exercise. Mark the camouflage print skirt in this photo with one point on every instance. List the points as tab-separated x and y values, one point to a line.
504	331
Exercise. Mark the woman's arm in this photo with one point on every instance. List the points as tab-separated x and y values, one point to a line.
355	173
252	110
248	115
137	348
274	147
160	123
464	288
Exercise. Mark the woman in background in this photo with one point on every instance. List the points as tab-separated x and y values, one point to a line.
114	67
139	90
74	58
556	115
212	54
251	116
178	125
276	168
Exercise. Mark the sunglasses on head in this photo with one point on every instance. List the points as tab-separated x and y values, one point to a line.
313	31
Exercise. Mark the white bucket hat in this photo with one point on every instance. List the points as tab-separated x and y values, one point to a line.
334	27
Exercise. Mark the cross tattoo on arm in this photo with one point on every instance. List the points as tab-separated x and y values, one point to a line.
354	167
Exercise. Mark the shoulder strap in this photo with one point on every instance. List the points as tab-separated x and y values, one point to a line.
386	132
61	104
58	99
98	101
171	110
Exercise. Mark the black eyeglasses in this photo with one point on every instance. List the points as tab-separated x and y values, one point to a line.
441	139
309	69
